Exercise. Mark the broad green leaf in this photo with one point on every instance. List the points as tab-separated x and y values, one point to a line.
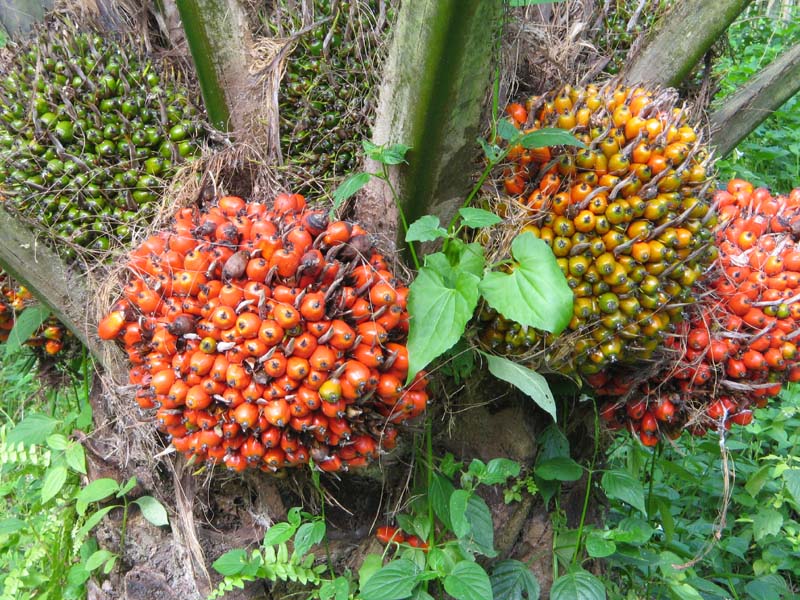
231	563
766	587
549	136
126	487
32	430
560	468
25	325
459	500
393	154
440	303
440	561
337	589
11	525
622	486
766	521
110	563
535	293
440	491
278	534
527	380
468	581
680	590
77	575
507	131
599	547
57	441
757	480
54	480
791	479
481	535
307	535
420	594
76	457
477	217
500	469
467	257
97	559
94	519
293	516
97	490
152	510
425	229
631	530
513	580
348	188
578	585
667	522
552	443
371	564
395	581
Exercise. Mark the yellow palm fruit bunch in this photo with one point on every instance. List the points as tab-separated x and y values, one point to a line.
628	217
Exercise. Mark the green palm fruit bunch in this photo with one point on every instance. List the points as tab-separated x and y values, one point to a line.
90	133
327	96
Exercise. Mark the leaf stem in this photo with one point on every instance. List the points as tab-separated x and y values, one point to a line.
588	484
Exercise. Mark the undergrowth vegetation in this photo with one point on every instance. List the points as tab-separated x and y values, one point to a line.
770	155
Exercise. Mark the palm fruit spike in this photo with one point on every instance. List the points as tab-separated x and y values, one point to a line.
89	134
266	337
628	216
738	345
326	99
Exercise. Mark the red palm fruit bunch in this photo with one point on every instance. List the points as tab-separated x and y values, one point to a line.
266	337
628	217
739	344
14	298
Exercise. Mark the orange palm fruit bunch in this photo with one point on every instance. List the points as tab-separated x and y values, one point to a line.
628	216
267	337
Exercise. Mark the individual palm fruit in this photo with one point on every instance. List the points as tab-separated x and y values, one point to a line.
267	337
90	132
326	99
50	336
627	216
738	345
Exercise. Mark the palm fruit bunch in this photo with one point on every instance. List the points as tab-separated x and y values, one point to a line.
14	298
265	337
738	345
89	134
627	217
326	97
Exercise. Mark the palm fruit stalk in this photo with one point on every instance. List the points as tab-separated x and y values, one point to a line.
327	95
14	298
266	337
628	218
739	344
90	133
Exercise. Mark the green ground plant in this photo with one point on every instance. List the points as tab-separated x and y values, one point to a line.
692	532
770	155
46	515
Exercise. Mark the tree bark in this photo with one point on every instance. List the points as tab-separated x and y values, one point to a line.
52	282
219	40
434	84
749	106
686	33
